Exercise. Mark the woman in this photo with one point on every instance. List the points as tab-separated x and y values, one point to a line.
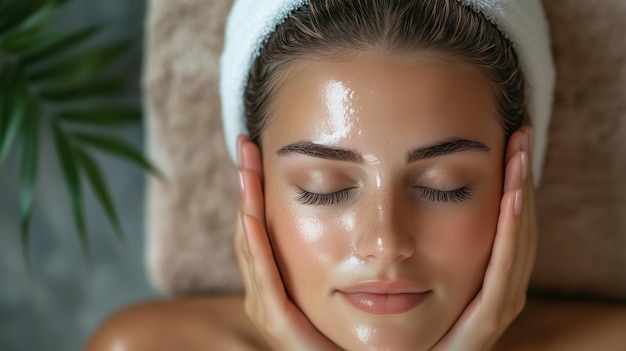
383	129
392	207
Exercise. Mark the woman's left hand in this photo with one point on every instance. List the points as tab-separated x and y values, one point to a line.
503	293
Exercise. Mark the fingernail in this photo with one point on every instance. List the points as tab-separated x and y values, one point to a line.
518	202
242	184
524	157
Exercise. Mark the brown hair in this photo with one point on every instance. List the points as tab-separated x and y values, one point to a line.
331	27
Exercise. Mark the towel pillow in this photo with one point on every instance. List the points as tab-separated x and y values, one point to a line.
581	201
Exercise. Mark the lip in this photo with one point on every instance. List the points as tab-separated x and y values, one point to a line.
385	297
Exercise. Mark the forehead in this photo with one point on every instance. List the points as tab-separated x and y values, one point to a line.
369	98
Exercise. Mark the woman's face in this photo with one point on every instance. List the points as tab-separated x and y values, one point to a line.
383	179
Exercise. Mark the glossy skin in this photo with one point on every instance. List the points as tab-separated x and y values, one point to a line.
429	223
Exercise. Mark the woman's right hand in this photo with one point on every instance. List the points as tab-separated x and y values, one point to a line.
267	304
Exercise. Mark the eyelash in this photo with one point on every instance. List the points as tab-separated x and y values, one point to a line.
454	196
434	195
309	198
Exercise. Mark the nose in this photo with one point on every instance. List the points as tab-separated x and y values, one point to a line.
385	234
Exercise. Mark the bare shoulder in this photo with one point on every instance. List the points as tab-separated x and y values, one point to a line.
558	324
192	323
220	323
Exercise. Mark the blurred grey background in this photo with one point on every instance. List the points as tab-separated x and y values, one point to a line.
65	300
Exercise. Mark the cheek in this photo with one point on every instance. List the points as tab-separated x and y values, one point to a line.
304	240
464	235
459	245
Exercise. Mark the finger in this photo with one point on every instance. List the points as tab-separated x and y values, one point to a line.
517	178
244	256
519	276
516	171
254	260
251	178
267	280
503	260
261	265
251	157
242	250
242	253
250	187
528	228
526	242
530	232
252	202
516	174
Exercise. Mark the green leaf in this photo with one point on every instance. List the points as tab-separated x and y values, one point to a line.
19	41
49	45
72	180
15	103
20	38
116	147
41	41
15	12
98	184
85	90
42	17
28	175
80	67
105	116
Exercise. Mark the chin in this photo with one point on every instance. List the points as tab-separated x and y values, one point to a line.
406	331
387	337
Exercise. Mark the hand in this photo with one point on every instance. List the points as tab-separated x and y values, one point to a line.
279	320
503	293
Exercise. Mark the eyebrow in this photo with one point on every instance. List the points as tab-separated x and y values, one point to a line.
321	151
446	147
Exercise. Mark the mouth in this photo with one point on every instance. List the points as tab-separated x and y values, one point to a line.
379	297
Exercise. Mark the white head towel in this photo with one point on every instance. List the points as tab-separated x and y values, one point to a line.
522	21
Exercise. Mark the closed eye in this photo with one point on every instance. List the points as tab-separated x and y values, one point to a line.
454	196
309	198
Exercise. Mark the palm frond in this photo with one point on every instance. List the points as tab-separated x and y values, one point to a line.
67	158
99	185
49	83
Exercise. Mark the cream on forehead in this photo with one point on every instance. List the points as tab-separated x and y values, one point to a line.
338	99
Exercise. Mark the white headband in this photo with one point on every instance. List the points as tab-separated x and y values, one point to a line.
523	22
